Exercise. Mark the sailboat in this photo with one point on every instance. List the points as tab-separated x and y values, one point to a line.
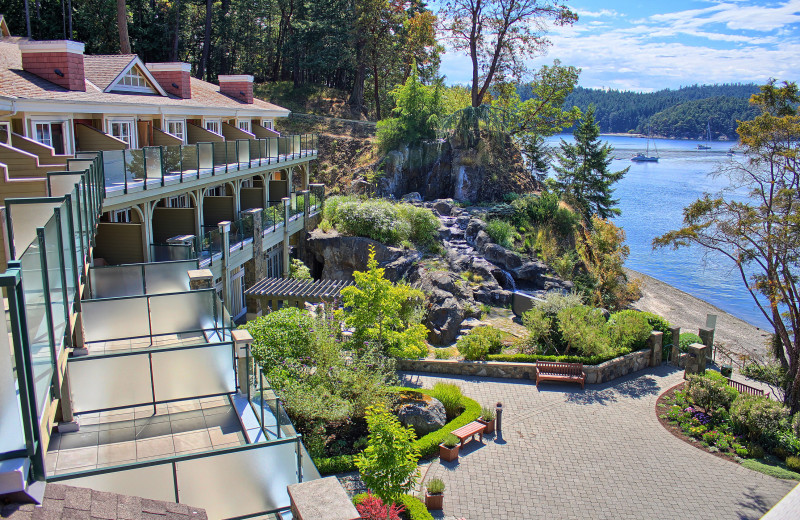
706	146
646	157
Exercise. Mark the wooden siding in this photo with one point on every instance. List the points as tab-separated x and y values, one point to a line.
119	243
44	153
170	222
197	134
278	190
251	198
263	132
164	139
217	209
22	164
90	139
232	133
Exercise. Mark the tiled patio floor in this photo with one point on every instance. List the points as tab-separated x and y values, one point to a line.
127	345
137	434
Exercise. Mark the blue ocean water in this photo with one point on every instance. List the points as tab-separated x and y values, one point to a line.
652	197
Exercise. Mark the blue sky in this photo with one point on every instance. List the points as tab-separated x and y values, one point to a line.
655	44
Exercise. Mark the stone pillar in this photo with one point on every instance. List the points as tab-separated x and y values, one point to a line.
696	360
321	499
200	279
225	234
255	269
676	345
242	340
286	201
707	337
655	342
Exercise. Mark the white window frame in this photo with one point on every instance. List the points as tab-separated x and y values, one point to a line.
178	201
217	122
7	125
268	123
120	216
134	129
147	88
244	125
36	120
182	123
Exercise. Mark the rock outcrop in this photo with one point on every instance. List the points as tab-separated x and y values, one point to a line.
424	413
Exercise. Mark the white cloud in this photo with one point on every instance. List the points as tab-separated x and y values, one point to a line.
602	13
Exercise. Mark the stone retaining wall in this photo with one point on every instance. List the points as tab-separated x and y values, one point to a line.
601	373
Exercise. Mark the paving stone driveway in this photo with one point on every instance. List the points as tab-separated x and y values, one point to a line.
594	454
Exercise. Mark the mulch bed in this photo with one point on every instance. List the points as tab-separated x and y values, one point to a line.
675	429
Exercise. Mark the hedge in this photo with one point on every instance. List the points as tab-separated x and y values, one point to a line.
414	507
428	445
532	358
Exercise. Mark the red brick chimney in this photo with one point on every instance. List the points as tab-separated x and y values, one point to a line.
58	61
173	77
238	87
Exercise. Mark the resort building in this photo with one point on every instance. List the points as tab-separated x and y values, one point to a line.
138	204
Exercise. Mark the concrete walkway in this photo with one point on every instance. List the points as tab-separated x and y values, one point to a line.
594	454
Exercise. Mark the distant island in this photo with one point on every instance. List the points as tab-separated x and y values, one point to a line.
682	114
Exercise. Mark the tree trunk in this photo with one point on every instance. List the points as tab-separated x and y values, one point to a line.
122	26
201	68
356	100
376	86
176	40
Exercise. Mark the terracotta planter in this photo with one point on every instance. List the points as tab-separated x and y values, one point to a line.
489	425
434	502
448	454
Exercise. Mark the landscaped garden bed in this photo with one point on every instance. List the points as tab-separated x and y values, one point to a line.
756	432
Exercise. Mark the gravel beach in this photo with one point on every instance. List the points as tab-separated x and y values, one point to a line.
689	313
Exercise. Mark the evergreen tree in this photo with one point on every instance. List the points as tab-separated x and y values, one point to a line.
583	178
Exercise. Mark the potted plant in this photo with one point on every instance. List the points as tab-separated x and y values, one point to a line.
434	494
448	449
487	418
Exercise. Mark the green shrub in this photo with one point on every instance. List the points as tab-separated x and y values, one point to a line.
479	342
501	232
540	327
415	509
755	451
555	302
451	441
435	486
709	392
772	374
423	223
286	333
688	338
388	466
449	394
629	329
533	358
298	270
793	463
487	414
583	329
442	353
757	416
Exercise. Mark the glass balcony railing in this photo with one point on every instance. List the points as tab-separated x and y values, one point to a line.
155	166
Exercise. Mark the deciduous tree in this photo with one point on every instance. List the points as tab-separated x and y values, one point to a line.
760	234
498	35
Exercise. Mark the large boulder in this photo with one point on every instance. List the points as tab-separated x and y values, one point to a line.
531	271
422	412
482	239
339	256
443	207
414	196
474	226
444	321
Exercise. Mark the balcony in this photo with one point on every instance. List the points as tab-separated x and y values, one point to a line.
128	171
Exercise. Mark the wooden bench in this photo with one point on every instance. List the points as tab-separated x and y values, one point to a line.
553	371
470	430
745	389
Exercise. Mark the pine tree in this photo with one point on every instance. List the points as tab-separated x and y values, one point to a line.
583	178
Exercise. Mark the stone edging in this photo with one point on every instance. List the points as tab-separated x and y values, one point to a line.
601	373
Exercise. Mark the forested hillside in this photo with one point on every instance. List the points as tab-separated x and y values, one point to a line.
675	113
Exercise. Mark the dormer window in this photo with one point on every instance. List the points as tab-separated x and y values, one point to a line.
134	81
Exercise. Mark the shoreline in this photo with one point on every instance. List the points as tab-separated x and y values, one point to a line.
689	312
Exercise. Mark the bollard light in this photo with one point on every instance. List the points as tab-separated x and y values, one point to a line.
499	414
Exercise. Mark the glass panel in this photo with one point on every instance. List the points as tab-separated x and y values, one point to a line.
134	164
220	155
60	185
172	156
38	336
54	268
239	483
153	156
25	218
12	437
186	373
168	277
272	143
113	282
184	312
232	154
99	383
189	154
111	319
114	168
153	482
295	144
170	252
67	256
206	156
